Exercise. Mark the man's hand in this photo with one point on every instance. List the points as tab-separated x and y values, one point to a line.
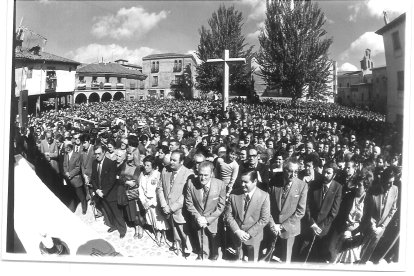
316	230
146	205
99	193
67	174
166	210
242	235
378	230
130	183
86	179
202	222
276	229
347	234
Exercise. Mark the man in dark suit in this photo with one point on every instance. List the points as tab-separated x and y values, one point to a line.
324	199
287	207
171	198
72	173
247	213
87	158
253	163
205	200
103	181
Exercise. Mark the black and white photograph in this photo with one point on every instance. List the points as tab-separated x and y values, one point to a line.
263	134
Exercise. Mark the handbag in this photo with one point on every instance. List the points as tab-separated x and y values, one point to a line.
133	193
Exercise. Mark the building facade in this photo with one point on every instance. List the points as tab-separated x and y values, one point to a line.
379	89
135	88
46	79
170	75
393	35
98	82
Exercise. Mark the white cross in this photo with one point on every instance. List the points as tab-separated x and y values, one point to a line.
226	60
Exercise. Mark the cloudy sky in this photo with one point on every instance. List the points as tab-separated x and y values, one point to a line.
88	31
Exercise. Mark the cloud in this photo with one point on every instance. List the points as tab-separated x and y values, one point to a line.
258	9
133	22
255	35
368	40
375	8
95	52
348	67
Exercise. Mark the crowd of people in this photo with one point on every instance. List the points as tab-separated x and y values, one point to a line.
310	182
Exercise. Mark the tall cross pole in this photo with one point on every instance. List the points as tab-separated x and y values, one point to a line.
226	60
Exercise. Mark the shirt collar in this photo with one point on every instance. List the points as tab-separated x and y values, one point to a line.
251	193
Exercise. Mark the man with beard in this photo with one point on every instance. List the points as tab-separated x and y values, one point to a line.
324	199
380	207
287	207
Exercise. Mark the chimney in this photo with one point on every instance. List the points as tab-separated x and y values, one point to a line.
35	50
385	17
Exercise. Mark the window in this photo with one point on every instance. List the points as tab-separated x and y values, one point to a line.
396	41
400	79
155	81
81	78
29	72
119	80
155	67
161	94
347	85
131	98
340	84
132	85
180	65
106	79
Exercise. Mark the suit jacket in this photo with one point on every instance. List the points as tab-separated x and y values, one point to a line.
173	196
377	214
52	149
323	211
214	206
256	217
292	211
108	179
72	166
87	160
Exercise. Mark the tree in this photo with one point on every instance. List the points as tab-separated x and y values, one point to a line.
293	54
182	86
224	33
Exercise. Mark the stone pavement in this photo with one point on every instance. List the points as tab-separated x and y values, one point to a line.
129	246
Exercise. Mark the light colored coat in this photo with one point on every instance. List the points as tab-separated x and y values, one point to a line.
214	206
173	196
290	214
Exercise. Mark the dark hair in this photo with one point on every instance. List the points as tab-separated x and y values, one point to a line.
133	141
99	145
112	142
251	173
181	154
164	149
312	158
149	158
331	165
388	173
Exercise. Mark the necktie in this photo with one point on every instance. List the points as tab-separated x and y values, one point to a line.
325	189
285	192
172	178
246	203
99	173
205	194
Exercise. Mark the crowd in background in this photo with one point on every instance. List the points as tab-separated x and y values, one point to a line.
163	152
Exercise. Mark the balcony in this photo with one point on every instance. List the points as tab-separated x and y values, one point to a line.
94	85
120	86
142	86
81	86
177	68
107	85
51	83
176	83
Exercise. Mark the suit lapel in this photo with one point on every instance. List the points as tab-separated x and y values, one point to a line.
212	192
278	194
291	193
